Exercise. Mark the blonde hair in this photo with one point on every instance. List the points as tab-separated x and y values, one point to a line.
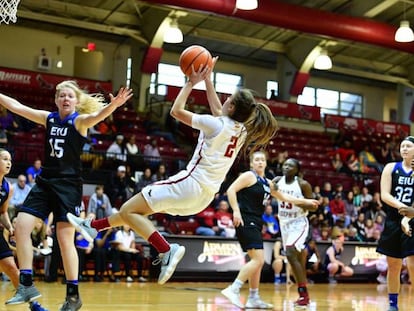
88	103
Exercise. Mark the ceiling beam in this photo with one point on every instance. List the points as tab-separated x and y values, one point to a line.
134	34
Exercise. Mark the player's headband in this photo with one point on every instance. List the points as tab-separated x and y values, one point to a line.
410	138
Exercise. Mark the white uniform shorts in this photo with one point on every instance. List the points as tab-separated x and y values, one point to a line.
180	195
294	232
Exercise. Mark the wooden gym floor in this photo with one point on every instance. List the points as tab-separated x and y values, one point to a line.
184	296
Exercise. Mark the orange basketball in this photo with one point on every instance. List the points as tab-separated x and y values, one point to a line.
196	56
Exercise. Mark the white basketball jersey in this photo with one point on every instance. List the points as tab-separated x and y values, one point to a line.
213	157
288	211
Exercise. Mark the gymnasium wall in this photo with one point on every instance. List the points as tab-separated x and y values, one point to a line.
21	48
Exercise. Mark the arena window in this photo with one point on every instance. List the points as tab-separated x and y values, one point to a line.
332	101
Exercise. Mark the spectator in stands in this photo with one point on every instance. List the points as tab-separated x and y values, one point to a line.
332	263
8	121
371	233
354	167
326	232
351	212
337	207
121	187
20	191
326	212
129	252
208	223
132	147
317	192
33	171
315	228
367	158
117	151
160	174
387	153
224	219
152	154
357	196
337	164
271	224
366	197
145	179
105	249
339	189
134	159
99	205
359	225
327	190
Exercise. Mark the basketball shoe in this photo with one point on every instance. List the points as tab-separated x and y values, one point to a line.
257	303
233	296
71	304
35	306
169	262
83	226
302	302
24	294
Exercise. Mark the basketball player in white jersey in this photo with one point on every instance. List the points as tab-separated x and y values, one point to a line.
236	123
294	224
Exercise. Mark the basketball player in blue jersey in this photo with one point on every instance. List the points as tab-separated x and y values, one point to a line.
7	262
294	224
248	196
397	195
235	124
58	188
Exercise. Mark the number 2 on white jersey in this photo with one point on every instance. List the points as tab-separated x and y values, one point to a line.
231	147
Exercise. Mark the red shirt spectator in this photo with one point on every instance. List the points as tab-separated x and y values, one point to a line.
337	206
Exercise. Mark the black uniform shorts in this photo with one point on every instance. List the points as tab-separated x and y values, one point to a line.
57	195
250	236
393	241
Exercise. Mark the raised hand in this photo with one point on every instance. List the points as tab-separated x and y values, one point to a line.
124	94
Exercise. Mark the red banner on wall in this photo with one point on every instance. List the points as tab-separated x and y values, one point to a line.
278	108
40	80
293	110
367	126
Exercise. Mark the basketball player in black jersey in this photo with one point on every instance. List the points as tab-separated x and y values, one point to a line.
7	262
248	196
59	187
398	196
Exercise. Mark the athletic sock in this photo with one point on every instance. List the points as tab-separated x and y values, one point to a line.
237	284
302	290
159	242
253	293
393	298
72	288
25	277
